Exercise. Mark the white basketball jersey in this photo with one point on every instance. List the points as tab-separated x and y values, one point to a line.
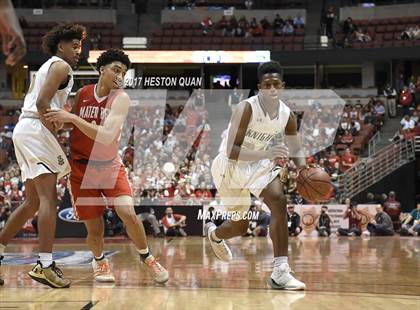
29	108
261	129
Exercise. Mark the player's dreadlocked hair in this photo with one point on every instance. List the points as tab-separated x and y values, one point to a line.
269	67
112	55
61	32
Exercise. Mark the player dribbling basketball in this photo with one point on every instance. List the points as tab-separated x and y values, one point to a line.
245	166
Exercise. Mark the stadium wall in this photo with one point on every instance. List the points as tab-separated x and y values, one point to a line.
383	11
69	15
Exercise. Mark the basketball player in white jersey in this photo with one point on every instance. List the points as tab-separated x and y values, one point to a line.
245	166
39	155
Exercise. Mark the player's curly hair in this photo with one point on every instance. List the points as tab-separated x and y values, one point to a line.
61	32
269	67
111	55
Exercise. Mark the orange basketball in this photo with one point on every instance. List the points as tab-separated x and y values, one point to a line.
313	184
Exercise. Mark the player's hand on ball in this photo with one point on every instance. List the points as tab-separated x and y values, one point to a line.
278	151
58	116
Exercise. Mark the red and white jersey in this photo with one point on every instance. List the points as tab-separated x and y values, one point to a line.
95	110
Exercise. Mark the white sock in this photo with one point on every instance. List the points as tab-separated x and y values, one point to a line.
280	260
100	257
45	259
214	237
144	253
2	248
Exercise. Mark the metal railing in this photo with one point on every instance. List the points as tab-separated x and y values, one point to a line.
373	142
368	171
417	144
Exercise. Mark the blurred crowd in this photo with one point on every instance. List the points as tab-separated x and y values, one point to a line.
233	27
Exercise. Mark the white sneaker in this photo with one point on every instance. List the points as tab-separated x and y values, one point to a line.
160	274
281	279
366	233
102	271
220	249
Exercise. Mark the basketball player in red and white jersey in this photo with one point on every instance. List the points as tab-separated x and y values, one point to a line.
97	117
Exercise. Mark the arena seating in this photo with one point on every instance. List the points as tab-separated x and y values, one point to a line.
189	36
385	33
108	35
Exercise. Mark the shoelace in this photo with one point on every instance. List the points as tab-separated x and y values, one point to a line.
104	268
156	266
57	270
278	272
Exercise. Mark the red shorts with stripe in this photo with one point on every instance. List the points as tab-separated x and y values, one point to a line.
94	186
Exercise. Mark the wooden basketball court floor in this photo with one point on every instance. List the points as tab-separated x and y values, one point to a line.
340	273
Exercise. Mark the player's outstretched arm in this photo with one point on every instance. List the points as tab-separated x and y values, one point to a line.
57	75
105	133
236	135
14	47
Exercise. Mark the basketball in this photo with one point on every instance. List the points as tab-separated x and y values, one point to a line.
313	184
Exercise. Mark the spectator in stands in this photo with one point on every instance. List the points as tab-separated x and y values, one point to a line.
323	223
293	220
256	28
406	100
206	24
248	4
407	122
415	117
263	221
379	109
151	219
417	91
113	224
391	94
411	225
265	23
355	127
381	225
258	227
359	36
223	23
355	221
345	125
288	28
234	98
174	223
393	208
278	22
86	47
347	160
348	27
329	22
347	138
411	33
299	21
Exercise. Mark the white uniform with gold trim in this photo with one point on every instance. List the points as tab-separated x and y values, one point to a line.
37	149
237	180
